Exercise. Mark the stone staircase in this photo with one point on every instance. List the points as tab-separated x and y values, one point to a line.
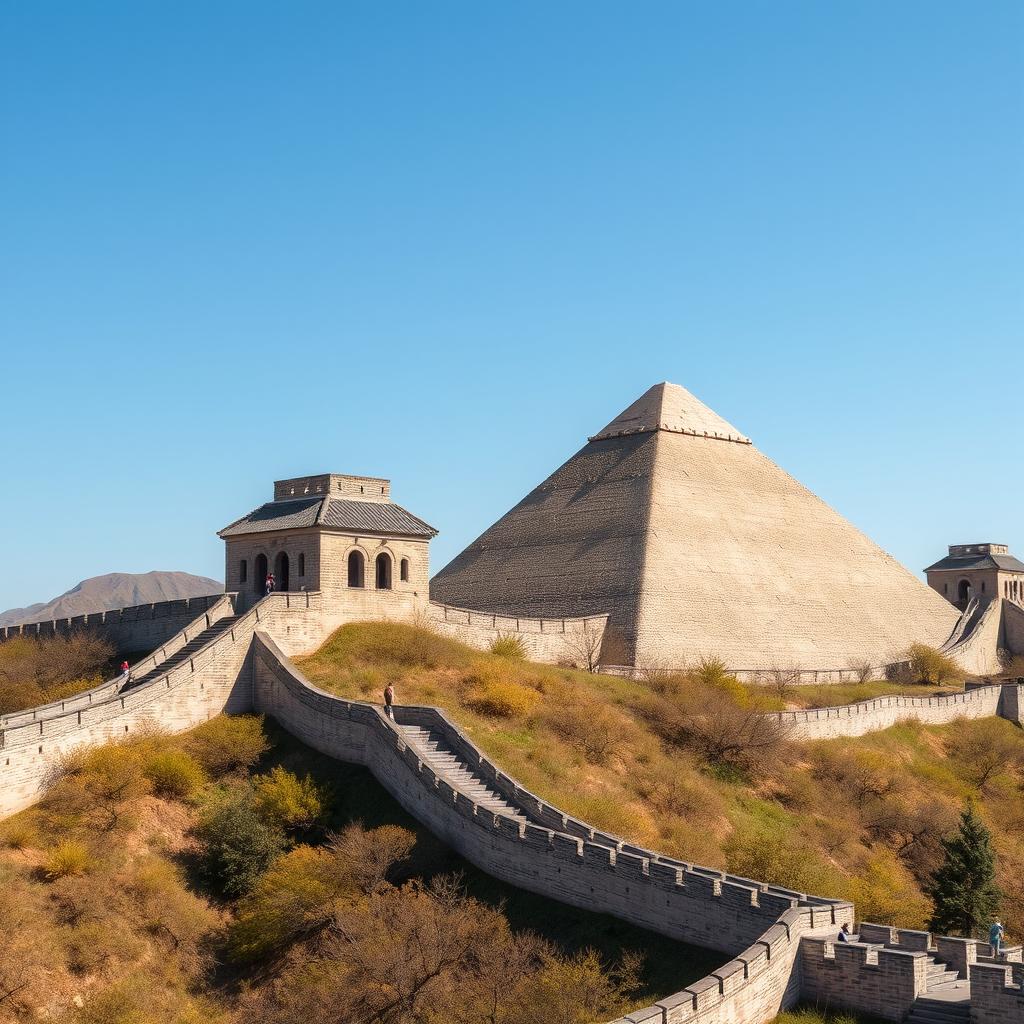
446	764
183	654
929	1010
948	1001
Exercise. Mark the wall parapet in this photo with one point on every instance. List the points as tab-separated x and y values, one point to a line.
757	924
114	618
881	712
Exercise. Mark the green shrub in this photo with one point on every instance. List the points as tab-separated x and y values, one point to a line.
175	774
240	842
286	799
929	666
66	858
511	647
227	744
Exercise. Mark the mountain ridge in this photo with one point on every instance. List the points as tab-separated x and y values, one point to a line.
114	590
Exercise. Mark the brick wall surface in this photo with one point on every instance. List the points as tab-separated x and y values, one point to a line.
882	712
137	628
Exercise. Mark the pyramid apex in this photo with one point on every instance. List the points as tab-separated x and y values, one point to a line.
667	406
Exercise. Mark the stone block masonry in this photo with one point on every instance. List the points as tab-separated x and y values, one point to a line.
776	940
883	712
140	627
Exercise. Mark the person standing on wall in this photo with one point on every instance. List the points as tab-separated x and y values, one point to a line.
270	584
389	700
995	938
126	673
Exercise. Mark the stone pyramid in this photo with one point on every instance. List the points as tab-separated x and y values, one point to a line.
695	544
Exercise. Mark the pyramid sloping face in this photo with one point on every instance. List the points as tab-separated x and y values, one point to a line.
695	544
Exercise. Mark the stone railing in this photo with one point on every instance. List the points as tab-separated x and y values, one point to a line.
135	628
214	611
558	856
882	712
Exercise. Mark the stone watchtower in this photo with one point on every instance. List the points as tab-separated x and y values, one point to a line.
983	571
341	535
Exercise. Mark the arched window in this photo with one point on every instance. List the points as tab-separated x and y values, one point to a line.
243	571
259	576
355	569
302	563
403	570
383	565
983	586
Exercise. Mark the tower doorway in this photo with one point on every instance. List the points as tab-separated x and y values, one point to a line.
964	592
281	572
259	576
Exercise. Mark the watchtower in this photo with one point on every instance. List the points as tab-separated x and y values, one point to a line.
983	571
338	534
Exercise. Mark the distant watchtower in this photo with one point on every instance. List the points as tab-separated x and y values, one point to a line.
341	535
983	571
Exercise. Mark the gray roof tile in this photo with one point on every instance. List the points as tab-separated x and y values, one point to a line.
333	513
981	561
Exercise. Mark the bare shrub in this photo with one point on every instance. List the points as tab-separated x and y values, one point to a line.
984	749
781	681
862	670
583	647
594	728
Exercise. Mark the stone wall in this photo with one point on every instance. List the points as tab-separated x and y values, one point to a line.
882	712
853	975
759	926
553	641
141	627
997	994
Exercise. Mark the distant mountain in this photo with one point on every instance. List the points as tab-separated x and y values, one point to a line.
115	590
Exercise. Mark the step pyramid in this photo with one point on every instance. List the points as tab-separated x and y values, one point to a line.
695	544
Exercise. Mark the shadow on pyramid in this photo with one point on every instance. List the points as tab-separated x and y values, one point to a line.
696	545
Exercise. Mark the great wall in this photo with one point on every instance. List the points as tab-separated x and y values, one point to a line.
780	943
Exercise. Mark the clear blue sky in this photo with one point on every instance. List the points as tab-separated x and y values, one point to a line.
444	241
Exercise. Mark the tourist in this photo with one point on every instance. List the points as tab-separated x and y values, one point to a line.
389	700
844	934
270	583
995	938
126	672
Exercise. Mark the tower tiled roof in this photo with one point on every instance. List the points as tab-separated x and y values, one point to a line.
983	560
333	513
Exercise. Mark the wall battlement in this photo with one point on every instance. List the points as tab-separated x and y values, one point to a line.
136	628
881	712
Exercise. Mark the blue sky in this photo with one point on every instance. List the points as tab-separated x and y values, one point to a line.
443	242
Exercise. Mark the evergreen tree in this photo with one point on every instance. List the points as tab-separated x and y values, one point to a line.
963	888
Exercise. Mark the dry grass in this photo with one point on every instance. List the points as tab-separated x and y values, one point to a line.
652	760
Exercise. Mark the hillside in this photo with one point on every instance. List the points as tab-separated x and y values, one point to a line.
114	590
685	765
233	875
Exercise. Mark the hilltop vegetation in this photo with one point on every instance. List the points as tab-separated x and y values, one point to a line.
685	764
231	874
37	671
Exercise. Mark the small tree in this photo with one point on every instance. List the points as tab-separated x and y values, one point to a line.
931	667
963	888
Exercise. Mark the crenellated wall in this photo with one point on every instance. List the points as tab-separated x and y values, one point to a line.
554	641
997	993
758	925
141	627
882	982
882	712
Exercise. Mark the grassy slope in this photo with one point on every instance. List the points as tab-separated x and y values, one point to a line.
831	816
94	939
